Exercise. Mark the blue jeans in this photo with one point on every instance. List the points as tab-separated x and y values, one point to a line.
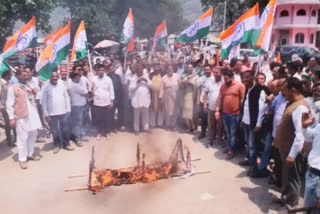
77	120
230	123
265	158
249	137
59	128
312	191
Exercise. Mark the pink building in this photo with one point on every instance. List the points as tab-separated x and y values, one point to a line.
296	22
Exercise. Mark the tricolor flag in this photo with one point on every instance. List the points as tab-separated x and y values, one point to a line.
160	39
278	60
199	29
127	36
53	55
49	38
243	30
266	22
25	37
80	44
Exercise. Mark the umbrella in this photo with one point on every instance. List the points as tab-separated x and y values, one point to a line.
106	44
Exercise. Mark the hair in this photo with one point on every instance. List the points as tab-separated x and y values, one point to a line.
6	73
227	72
316	85
100	66
73	75
75	67
251	72
261	74
207	65
295	83
233	62
29	67
173	66
273	65
18	72
317	74
281	72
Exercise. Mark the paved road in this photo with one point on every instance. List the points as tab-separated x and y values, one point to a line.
40	188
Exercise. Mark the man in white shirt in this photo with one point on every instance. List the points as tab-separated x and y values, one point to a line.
289	140
78	96
312	181
209	103
252	116
103	100
237	70
202	85
139	92
56	109
23	116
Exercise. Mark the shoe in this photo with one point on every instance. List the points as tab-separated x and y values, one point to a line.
98	137
34	158
12	145
84	139
68	148
279	201
259	174
23	164
136	133
201	136
244	163
225	151
56	149
122	128
79	144
207	145
108	137
230	156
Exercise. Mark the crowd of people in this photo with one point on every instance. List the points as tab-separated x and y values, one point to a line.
272	110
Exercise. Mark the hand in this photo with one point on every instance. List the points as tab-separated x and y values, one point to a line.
290	161
306	119
205	108
217	115
256	129
12	123
47	119
111	105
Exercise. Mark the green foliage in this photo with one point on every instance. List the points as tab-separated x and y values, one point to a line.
104	18
13	10
234	9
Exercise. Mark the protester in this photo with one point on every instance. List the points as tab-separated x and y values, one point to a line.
139	91
168	95
56	109
156	110
103	102
289	140
229	102
209	103
5	84
237	70
189	82
23	116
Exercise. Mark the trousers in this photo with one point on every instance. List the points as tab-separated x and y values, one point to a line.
214	126
140	116
59	127
26	141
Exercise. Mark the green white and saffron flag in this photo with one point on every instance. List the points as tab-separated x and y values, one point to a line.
80	44
127	36
25	37
54	53
160	40
199	29
243	30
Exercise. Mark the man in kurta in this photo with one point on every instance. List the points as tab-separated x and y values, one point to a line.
23	116
168	94
156	111
189	87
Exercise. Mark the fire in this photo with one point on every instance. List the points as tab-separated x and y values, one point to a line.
141	173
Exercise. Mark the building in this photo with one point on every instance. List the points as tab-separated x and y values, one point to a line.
296	22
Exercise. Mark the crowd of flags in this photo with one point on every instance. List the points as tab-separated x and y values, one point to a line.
250	27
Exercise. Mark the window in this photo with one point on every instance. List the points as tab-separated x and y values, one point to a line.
301	12
313	13
299	38
284	13
311	38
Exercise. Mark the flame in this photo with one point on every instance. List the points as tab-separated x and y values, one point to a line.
140	173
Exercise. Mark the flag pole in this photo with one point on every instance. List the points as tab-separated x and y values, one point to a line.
90	63
224	15
125	61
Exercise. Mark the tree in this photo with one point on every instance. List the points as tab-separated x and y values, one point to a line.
13	10
104	18
234	9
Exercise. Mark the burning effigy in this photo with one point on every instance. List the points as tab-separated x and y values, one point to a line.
176	165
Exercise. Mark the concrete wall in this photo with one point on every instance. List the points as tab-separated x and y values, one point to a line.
293	18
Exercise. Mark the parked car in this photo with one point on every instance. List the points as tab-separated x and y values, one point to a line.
305	53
